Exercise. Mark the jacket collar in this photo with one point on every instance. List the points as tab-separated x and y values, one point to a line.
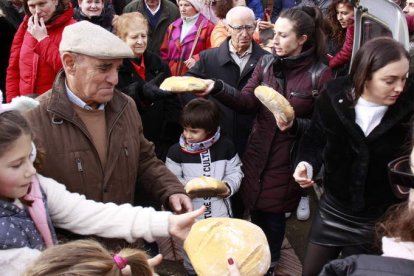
291	63
224	54
342	99
177	24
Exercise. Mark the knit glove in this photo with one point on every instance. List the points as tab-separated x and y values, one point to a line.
151	91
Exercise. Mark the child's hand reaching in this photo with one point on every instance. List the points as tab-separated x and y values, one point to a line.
180	225
226	193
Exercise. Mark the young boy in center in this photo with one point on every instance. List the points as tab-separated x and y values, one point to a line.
202	152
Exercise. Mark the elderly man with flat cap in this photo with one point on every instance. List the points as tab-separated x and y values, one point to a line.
92	133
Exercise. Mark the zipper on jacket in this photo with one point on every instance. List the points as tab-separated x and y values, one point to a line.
299	95
78	162
126	150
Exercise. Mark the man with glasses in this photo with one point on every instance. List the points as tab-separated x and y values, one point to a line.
233	63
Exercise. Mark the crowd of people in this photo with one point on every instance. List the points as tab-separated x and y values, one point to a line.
102	151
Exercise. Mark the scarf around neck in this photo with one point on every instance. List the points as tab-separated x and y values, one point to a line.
195	148
38	212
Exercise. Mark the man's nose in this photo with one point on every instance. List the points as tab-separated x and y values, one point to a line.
113	77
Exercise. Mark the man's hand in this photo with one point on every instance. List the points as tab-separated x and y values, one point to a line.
180	225
301	176
180	203
281	124
37	28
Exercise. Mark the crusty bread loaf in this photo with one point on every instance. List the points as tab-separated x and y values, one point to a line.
275	102
183	84
205	186
212	241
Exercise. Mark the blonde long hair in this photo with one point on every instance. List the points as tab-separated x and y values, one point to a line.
87	258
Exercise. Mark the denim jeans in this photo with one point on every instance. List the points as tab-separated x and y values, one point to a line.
273	225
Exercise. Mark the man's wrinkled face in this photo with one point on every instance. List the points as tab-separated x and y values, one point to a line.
241	30
94	79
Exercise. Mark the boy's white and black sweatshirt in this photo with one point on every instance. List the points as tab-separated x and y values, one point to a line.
219	161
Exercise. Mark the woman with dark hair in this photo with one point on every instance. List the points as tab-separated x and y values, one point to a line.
34	55
268	189
360	124
340	18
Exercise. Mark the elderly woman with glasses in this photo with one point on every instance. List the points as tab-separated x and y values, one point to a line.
360	124
186	38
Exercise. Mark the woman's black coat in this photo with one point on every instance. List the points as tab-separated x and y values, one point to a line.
160	119
355	173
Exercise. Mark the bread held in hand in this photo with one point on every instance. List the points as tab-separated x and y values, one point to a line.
178	84
275	102
205	186
212	241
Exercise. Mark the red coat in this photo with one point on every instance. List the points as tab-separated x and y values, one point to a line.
33	65
268	184
344	55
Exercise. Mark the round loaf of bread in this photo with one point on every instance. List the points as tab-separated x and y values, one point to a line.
205	186
212	241
275	102
179	84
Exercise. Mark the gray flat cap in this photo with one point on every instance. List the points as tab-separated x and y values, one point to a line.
92	40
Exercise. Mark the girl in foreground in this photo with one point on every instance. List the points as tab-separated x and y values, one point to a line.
31	205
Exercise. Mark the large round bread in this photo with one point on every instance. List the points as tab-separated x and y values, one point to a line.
212	241
179	84
275	102
205	186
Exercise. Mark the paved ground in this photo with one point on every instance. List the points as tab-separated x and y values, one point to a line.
296	233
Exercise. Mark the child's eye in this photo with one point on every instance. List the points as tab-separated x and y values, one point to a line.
16	166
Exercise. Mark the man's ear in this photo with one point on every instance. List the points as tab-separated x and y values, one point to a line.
69	62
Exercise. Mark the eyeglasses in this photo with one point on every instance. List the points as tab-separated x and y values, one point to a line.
400	176
239	29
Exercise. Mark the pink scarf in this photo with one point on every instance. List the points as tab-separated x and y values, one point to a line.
37	211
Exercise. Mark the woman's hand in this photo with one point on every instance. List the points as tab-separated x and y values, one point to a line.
301	176
37	28
233	267
190	62
210	85
262	25
180	225
281	124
